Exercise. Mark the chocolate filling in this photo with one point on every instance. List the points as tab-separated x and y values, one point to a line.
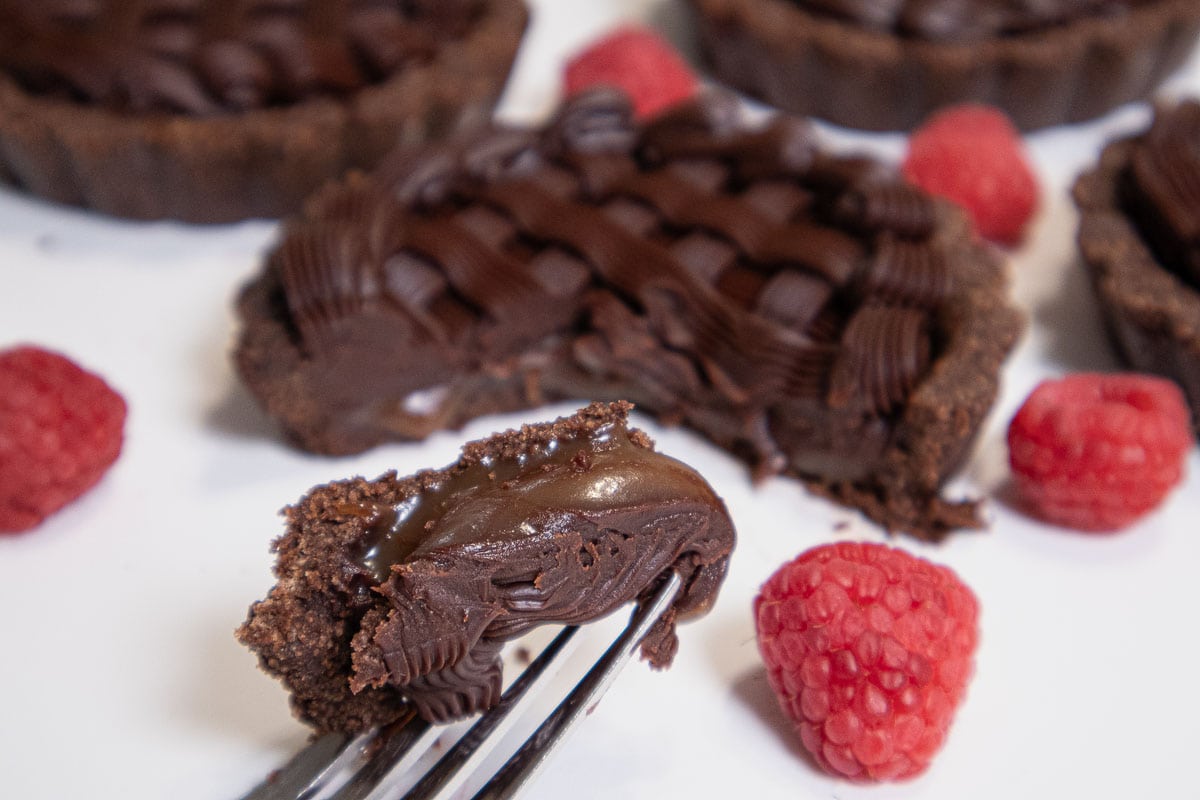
494	500
203	57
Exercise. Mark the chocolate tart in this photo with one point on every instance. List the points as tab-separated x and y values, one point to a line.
813	314
1139	235
886	64
399	593
222	110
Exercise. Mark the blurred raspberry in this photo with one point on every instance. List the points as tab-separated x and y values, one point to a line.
973	155
638	61
869	650
1095	452
60	430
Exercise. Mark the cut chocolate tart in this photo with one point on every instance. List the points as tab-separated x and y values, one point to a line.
812	314
221	110
886	64
1139	234
400	592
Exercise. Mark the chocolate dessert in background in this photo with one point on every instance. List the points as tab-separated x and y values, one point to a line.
403	590
887	65
813	314
1139	234
221	110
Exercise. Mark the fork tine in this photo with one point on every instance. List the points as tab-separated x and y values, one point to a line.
312	770
308	771
398	751
530	759
454	767
386	756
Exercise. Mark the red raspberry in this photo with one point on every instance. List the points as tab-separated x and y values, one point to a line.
1095	452
637	60
869	650
60	429
972	154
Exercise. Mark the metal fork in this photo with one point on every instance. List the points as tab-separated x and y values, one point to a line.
377	765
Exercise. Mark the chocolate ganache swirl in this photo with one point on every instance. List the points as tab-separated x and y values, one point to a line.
1160	189
785	302
209	56
965	20
692	265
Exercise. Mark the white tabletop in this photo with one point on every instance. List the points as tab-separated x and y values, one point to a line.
121	677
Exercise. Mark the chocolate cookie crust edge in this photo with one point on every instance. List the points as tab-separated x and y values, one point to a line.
806	64
259	163
1151	315
946	412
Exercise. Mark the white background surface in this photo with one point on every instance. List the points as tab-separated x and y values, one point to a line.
120	677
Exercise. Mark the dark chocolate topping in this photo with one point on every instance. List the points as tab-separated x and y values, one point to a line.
775	271
1160	188
493	500
208	56
563	522
965	20
787	303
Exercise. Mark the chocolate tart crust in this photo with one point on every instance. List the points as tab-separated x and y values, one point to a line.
946	411
818	66
258	163
1151	314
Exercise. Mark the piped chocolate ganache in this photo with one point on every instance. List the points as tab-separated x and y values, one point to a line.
1140	239
402	591
207	56
1160	189
165	88
813	314
888	64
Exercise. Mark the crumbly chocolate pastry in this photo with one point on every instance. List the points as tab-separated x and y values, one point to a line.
402	591
813	314
220	110
887	64
1139	234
